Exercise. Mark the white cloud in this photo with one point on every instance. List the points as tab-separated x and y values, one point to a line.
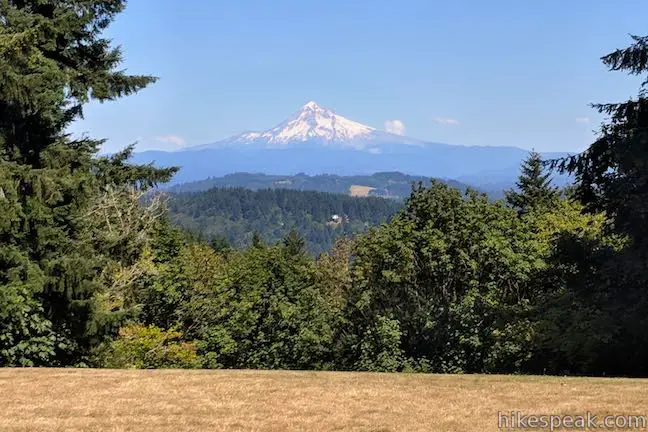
446	121
171	139
374	150
582	120
395	126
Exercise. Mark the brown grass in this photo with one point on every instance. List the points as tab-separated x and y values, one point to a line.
167	400
360	191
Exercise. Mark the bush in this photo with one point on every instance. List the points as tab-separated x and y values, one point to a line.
148	347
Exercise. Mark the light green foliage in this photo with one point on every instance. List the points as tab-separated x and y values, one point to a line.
564	216
455	283
26	338
380	347
451	270
148	347
255	309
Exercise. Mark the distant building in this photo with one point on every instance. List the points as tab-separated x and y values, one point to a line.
339	219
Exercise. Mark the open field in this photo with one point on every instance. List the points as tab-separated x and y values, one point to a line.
360	191
171	400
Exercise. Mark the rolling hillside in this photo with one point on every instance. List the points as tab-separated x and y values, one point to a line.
383	184
235	214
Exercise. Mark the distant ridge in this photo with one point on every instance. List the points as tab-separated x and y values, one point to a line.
383	184
317	140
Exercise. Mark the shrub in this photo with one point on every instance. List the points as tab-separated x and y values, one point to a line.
148	347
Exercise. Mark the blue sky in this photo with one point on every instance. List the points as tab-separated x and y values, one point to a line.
470	72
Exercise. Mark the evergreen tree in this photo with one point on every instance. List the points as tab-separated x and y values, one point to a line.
534	185
257	241
54	61
294	244
272	213
612	174
219	244
609	283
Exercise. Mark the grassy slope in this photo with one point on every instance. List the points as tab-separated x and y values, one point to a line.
109	400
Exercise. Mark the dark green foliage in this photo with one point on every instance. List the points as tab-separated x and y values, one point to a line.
255	309
257	241
220	244
383	184
594	321
534	189
294	244
612	174
54	60
601	322
235	214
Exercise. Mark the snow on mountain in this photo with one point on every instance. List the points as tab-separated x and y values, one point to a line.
316	140
313	125
313	121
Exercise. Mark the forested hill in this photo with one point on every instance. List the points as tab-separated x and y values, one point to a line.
384	184
235	214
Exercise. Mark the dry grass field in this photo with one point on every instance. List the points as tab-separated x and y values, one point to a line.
167	400
360	191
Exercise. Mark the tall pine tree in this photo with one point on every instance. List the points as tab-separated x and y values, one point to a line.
609	286
534	186
54	60
294	243
612	174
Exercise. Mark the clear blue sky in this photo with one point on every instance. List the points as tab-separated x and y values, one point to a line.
470	72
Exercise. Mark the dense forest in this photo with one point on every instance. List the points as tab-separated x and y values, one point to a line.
232	216
383	184
543	281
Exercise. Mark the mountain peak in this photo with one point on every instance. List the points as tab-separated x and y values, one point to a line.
312	122
311	105
314	125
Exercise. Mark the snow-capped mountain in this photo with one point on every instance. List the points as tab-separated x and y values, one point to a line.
314	126
316	140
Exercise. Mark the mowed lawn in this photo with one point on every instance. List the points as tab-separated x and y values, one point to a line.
175	400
